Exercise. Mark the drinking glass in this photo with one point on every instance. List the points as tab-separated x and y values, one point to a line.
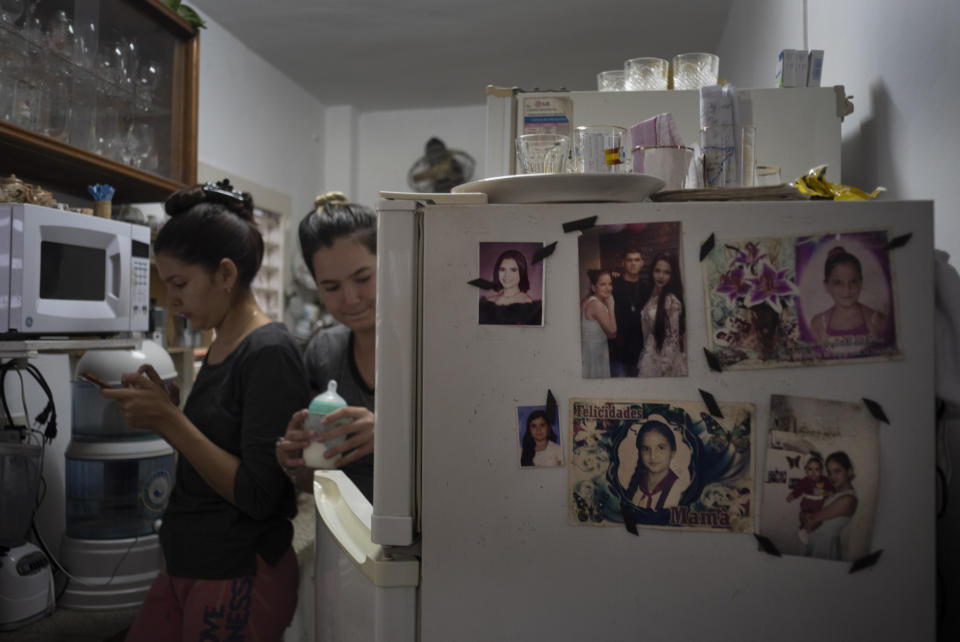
670	163
748	156
768	175
139	143
148	80
600	149
56	108
695	70
85	44
542	153
612	80
61	33
11	11
7	85
646	74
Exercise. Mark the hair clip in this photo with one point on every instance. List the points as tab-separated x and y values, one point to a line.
222	191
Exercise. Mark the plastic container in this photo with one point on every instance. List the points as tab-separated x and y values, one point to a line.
321	406
94	417
20	481
116	489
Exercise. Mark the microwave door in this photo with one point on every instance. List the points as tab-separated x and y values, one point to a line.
75	274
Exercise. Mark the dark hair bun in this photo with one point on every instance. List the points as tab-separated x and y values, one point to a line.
220	193
330	197
835	251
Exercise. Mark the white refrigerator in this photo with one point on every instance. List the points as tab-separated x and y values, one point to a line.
503	552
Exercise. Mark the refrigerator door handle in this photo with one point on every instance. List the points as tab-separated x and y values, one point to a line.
346	514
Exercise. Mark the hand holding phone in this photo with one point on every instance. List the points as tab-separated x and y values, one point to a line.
97	380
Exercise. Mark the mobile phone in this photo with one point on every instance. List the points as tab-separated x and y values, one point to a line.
97	380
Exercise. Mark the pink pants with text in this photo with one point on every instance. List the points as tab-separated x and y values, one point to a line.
257	608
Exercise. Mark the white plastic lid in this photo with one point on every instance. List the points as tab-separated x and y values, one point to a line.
110	365
112	450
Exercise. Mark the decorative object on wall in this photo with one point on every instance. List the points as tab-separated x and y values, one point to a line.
440	169
187	13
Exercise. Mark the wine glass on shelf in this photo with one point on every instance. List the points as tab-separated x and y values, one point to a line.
61	34
139	144
10	12
85	44
148	81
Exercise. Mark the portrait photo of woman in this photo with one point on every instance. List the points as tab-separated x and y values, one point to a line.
598	324
663	321
539	441
517	284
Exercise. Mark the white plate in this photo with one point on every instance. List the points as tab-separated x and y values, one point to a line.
564	188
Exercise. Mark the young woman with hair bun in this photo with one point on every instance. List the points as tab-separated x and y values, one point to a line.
338	240
226	533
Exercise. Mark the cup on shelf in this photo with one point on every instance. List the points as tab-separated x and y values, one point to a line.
670	163
646	74
599	149
695	70
542	153
748	156
768	175
611	80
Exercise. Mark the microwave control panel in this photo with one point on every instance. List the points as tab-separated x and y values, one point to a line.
139	278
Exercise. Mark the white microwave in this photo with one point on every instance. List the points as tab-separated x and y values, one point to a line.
68	273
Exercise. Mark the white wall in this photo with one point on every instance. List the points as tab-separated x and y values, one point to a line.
899	61
254	122
389	142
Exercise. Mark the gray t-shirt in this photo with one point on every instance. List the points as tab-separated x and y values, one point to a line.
329	355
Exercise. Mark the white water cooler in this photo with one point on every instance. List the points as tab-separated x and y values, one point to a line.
118	480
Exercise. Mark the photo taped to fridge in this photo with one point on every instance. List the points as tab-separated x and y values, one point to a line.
668	464
632	310
820	480
516	295
806	300
538	438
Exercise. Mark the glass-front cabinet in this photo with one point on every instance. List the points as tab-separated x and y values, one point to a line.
98	91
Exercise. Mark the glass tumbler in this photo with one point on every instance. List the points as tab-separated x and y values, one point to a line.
695	70
600	149
646	74
542	153
612	80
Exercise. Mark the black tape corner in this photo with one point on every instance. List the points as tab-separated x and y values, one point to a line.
866	561
767	546
483	284
580	224
712	406
876	410
712	361
899	241
551	408
543	252
707	246
629	520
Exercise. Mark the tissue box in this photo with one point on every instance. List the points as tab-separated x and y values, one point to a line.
792	68
814	67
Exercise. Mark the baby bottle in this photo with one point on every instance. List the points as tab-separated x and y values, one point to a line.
322	405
